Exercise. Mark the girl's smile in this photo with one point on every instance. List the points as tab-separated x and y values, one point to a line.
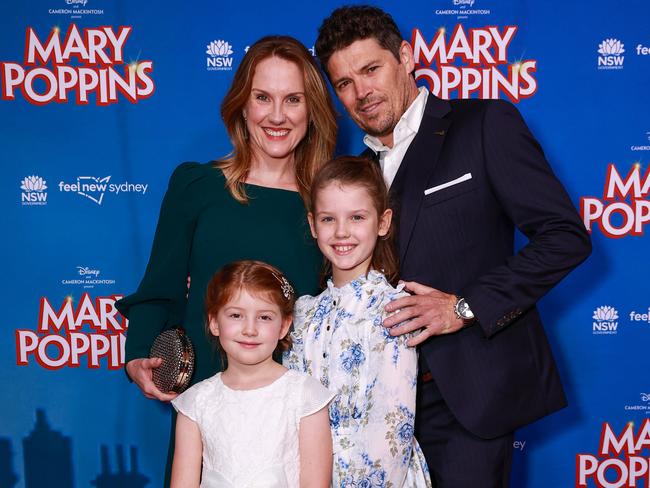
249	329
346	226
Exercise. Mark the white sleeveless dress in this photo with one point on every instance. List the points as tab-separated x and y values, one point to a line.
250	437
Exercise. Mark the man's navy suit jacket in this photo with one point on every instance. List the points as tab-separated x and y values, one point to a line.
486	174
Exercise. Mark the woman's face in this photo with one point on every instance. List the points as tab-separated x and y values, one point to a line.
276	112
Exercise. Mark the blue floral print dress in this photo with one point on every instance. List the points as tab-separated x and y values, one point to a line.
339	338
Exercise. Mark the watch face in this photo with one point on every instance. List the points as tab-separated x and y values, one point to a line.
464	310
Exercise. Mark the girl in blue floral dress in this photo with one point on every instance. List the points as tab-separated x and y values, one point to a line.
339	338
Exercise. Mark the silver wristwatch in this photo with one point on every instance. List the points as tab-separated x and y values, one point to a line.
463	312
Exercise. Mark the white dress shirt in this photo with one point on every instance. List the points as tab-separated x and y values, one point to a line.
390	158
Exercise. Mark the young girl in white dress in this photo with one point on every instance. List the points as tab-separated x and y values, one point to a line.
256	424
339	338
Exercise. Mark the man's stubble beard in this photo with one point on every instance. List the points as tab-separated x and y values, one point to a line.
388	120
384	128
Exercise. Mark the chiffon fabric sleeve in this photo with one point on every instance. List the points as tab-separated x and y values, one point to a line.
159	302
186	403
295	358
314	397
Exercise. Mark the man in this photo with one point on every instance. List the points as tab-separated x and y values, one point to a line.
463	174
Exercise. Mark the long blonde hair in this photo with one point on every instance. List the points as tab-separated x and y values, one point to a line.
318	144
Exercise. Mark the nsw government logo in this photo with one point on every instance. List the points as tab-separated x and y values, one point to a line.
33	188
605	320
611	54
219	56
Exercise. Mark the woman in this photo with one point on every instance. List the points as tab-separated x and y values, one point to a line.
281	121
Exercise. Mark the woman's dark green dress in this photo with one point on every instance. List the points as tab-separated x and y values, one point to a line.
200	229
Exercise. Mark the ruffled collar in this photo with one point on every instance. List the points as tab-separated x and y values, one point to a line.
372	279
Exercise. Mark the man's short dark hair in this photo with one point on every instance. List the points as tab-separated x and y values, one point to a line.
354	23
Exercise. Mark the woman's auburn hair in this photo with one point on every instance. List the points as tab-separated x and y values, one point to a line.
318	144
364	173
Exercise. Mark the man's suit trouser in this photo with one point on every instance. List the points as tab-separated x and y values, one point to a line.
456	457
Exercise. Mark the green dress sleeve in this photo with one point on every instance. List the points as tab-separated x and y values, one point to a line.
160	300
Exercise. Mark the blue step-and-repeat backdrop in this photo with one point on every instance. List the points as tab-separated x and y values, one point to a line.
102	99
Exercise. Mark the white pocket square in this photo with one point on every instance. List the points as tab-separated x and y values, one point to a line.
460	179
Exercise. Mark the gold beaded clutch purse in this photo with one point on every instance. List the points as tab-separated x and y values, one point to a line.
177	353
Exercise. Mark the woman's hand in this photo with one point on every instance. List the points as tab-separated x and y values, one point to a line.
140	371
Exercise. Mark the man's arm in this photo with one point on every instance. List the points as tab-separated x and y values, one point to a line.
536	202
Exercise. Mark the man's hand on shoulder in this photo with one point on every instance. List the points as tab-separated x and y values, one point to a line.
428	310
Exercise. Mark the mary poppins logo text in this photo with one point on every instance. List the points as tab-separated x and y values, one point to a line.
624	208
88	333
622	461
80	64
473	63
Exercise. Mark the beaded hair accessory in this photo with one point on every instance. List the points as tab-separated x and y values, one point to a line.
285	286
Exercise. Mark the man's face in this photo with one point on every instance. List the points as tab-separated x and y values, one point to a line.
373	86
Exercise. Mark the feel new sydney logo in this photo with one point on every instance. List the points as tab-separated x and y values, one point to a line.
95	188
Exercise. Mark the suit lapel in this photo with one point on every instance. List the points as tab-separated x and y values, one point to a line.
417	167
